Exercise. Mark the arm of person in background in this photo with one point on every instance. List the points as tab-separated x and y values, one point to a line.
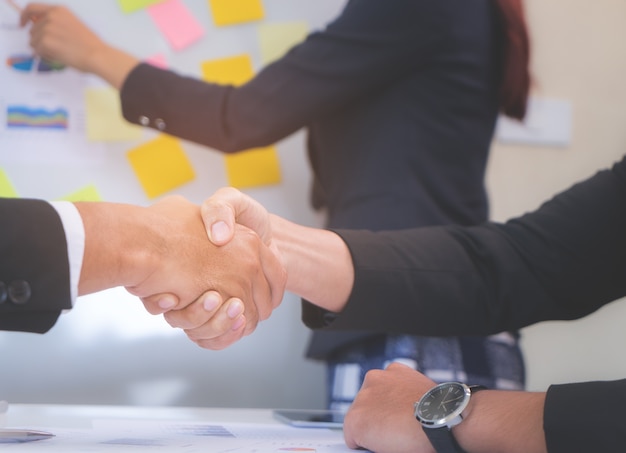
58	35
365	49
161	249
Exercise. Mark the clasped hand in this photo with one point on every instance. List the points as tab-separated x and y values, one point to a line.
215	293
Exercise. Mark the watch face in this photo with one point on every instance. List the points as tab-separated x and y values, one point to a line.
442	404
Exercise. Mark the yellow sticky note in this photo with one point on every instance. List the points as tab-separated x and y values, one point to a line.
161	165
276	39
235	70
130	6
254	167
231	12
6	187
87	193
104	117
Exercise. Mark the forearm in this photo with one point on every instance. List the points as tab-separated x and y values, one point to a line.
119	243
111	64
318	263
505	421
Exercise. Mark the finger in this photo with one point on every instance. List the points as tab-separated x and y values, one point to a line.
218	215
201	313
223	327
236	332
157	304
229	205
32	11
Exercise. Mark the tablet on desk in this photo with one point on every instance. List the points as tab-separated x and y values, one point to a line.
310	418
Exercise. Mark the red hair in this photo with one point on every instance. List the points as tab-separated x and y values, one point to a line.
515	81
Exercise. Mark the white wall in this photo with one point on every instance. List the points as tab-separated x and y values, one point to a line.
578	55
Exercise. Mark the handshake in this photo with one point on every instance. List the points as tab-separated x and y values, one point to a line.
216	270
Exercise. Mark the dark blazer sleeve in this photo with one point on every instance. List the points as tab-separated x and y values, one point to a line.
562	261
354	56
34	267
585	416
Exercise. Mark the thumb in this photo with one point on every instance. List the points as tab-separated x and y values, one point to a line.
228	206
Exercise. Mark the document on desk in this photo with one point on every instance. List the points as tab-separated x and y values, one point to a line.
188	437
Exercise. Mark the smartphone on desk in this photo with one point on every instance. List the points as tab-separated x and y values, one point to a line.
310	418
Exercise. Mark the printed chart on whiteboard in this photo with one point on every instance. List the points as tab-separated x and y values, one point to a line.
42	116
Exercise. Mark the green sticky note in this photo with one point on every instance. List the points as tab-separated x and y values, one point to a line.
104	117
87	193
277	38
130	6
6	187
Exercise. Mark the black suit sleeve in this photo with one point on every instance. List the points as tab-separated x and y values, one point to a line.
587	416
34	267
353	57
562	261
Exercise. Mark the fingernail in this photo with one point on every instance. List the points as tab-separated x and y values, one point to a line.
238	323
219	231
235	309
211	301
166	302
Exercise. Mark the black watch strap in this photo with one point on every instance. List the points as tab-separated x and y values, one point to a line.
442	440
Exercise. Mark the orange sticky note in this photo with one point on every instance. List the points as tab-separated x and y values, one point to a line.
176	23
254	167
235	70
6	187
161	165
231	12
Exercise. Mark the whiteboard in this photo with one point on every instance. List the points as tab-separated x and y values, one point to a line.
108	350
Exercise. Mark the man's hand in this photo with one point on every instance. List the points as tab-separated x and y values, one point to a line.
381	417
162	255
208	321
228	206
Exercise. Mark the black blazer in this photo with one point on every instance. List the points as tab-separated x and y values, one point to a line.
399	100
563	261
34	267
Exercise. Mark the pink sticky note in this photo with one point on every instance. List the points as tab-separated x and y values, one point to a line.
158	60
176	23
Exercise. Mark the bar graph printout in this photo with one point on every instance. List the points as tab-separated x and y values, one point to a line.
42	110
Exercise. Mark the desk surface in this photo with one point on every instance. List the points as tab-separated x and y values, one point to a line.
82	416
103	429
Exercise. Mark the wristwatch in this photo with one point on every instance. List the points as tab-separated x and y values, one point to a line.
440	409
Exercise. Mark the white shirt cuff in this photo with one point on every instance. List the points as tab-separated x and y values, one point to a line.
75	238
